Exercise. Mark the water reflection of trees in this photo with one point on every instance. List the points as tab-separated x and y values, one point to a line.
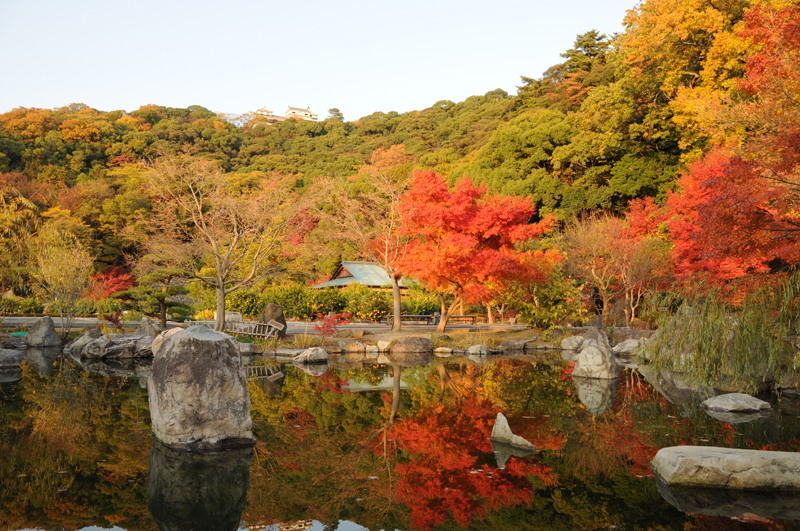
70	441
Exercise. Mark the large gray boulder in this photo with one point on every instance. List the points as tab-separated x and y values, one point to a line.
735	403
273	312
43	334
572	343
160	338
352	347
728	468
10	342
477	350
627	348
412	344
120	346
597	335
10	359
312	355
501	433
148	327
595	363
76	346
596	395
198	392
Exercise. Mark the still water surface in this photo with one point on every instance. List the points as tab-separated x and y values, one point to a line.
371	446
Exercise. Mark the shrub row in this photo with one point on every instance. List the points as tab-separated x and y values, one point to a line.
302	302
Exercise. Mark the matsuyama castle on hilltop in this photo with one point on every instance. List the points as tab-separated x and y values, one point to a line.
291	112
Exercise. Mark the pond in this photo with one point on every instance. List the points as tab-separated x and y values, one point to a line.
371	446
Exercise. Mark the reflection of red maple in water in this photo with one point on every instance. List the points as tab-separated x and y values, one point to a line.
445	472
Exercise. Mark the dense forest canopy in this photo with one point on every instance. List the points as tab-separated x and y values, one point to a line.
622	118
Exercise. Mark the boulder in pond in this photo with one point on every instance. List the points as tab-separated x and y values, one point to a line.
384	346
119	346
727	468
502	433
148	327
595	363
312	355
10	342
43	334
412	344
477	350
247	349
627	348
198	393
443	352
10	359
597	335
735	403
352	346
160	338
273	312
513	345
76	346
572	343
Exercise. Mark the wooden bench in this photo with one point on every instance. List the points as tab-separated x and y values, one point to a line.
424	319
254	329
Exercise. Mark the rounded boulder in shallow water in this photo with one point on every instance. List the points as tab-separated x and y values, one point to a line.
198	392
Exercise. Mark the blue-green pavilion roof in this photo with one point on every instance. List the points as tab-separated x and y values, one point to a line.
367	274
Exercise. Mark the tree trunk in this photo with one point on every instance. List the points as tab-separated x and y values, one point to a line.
489	314
447	313
396	324
219	322
162	313
442	317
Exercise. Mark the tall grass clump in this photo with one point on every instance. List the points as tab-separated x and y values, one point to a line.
728	338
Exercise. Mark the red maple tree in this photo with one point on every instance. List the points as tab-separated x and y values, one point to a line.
462	242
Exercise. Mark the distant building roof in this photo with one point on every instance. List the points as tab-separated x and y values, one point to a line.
367	274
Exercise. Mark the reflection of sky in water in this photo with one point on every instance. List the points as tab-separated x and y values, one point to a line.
343	525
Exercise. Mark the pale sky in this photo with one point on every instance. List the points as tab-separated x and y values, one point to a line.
240	55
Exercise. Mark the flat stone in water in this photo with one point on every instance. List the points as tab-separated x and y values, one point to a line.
729	468
735	402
